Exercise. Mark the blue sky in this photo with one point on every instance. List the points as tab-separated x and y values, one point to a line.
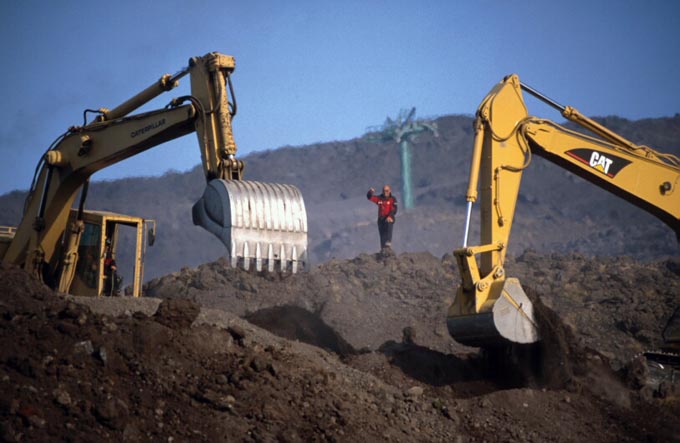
317	71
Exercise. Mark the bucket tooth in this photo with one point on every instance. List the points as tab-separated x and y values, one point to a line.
282	259
233	255
248	214
258	258
246	256
294	261
270	258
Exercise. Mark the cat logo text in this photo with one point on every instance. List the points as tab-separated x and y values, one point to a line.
608	165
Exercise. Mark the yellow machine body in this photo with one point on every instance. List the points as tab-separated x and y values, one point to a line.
99	229
505	140
46	241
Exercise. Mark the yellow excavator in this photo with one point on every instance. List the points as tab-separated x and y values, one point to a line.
263	225
489	308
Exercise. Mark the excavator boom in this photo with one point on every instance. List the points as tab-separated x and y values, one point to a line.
490	308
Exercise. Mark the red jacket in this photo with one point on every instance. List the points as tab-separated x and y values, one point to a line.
387	206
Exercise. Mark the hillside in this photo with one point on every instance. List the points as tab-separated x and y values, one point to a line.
557	212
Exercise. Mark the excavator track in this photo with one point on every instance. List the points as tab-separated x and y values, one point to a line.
671	359
663	369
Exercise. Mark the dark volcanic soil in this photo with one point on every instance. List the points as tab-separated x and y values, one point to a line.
358	351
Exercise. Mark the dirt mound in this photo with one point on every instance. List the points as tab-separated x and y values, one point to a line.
295	323
367	300
180	370
176	313
559	361
372	299
70	374
614	305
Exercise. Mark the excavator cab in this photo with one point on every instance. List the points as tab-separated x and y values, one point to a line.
96	272
89	264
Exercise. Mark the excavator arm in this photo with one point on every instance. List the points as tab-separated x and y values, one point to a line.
37	244
489	307
247	216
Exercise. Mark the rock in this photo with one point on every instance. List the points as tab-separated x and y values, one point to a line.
237	332
84	347
71	311
258	364
415	391
61	397
222	379
111	413
409	335
216	400
37	421
177	313
102	355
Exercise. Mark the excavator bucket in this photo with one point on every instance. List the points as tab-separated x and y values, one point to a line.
510	319
263	225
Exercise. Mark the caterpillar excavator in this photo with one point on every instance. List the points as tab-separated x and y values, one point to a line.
261	224
491	308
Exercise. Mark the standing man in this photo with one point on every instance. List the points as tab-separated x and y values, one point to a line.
387	209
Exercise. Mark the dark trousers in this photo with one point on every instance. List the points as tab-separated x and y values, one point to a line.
385	229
